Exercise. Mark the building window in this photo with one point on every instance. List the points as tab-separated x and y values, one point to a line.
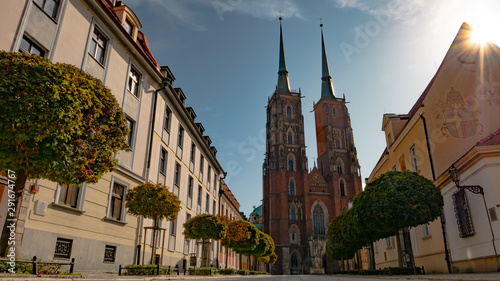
388	242
200	193
318	220
131	127
288	112
28	47
177	177
173	227
344	209
209	176
202	163
207	203
414	158
394	168
293	236
292	186
116	204
180	139
193	152
98	45
426	230
163	161
293	213
290	165
334	114
133	82
63	248
462	213
214	204
290	139
70	195
109	253
294	260
190	192
339	167
166	119
48	6
128	27
337	143
342	188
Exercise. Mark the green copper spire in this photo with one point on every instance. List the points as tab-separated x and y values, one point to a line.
326	84
283	83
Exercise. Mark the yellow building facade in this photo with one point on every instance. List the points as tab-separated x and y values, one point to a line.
454	124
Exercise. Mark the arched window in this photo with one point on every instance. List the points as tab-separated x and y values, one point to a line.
344	210
333	113
339	167
337	143
293	235
292	214
288	112
292	186
290	165
319	220
342	188
294	261
290	139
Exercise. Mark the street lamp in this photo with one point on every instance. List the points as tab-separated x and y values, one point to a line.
476	189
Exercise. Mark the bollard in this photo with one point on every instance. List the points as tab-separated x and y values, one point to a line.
119	270
71	267
157	269
35	266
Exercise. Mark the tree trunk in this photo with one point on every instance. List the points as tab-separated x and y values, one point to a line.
398	243
5	242
342	265
249	267
153	250
372	255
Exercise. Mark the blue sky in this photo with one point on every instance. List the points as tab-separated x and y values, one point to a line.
224	55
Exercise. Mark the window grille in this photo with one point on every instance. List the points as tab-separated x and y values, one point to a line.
109	253
63	248
462	214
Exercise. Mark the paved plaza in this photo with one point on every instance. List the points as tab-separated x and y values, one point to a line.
432	277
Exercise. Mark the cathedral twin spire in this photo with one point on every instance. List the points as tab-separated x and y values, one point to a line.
283	82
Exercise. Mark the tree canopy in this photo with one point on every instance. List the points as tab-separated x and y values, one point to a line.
152	201
249	240
58	122
389	203
205	227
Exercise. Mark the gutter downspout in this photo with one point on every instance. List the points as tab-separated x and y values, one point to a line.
221	192
443	221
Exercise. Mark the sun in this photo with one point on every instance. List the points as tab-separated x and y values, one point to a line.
485	25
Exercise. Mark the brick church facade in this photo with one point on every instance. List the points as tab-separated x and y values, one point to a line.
298	203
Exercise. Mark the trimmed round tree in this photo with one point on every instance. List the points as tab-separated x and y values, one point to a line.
249	240
236	231
205	227
58	123
396	200
153	201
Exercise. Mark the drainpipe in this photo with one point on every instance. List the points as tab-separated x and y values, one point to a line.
443	221
221	192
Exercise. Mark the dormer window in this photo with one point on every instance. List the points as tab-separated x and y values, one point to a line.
128	27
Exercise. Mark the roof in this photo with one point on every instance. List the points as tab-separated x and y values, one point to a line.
257	211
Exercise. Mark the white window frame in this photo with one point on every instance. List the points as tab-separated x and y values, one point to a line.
123	213
426	230
131	81
105	47
163	161
131	134
80	200
167	119
388	243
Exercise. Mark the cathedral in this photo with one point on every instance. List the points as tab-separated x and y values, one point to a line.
298	203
